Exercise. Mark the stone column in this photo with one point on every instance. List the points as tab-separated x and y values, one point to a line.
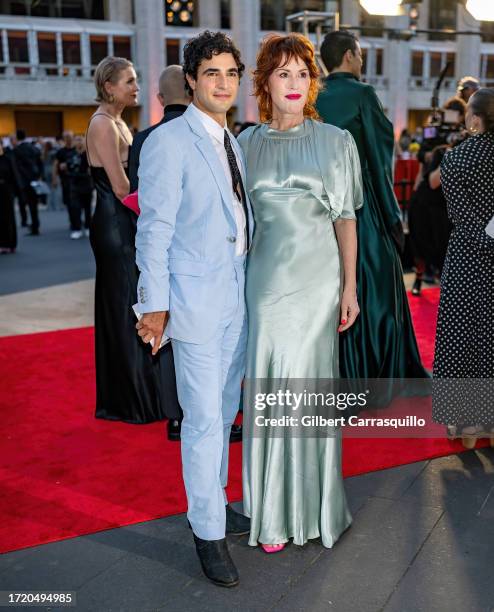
59	49
85	55
209	14
150	49
32	46
350	12
246	24
397	70
423	23
120	10
467	46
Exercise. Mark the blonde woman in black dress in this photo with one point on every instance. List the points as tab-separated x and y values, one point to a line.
128	378
464	354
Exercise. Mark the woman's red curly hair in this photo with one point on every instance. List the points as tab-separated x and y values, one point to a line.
277	50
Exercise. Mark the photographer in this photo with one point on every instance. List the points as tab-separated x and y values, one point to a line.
427	218
467	86
465	327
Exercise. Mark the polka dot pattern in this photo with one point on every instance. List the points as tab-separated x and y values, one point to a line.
465	329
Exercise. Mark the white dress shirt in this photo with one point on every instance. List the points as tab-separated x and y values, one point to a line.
216	133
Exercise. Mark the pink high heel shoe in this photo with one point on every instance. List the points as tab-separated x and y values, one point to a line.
272	548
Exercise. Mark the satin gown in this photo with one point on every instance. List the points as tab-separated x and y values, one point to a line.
131	384
299	181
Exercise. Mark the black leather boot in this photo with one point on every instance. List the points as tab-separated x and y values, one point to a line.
216	562
417	285
236	433
236	523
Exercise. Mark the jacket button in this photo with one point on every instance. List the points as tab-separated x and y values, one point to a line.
231	239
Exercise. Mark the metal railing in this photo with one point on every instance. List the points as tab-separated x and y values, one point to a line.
24	70
428	83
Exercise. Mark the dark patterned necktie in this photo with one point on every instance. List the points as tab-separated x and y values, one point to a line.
237	184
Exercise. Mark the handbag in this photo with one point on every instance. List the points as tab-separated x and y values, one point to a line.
132	202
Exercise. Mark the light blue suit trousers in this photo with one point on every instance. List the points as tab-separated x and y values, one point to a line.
208	385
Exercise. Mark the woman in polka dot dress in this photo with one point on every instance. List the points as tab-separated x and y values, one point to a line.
465	328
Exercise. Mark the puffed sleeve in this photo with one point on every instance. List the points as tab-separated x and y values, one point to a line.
339	163
349	194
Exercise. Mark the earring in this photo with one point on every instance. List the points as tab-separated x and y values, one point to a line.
473	130
111	98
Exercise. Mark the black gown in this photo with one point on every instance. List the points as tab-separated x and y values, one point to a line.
131	384
428	218
8	231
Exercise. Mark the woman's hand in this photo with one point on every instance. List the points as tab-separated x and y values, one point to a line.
349	309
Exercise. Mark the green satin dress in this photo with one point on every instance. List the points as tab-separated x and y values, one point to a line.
299	181
382	342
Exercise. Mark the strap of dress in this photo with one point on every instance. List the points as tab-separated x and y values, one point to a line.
119	129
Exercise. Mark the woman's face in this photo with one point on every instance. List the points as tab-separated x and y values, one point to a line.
125	89
288	86
473	122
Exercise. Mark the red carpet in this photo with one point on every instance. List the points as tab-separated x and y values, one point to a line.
63	473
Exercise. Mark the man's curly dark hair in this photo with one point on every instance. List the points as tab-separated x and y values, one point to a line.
203	47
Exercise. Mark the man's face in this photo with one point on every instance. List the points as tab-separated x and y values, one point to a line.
468	92
68	139
356	61
216	86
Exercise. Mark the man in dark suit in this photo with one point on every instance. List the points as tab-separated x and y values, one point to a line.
30	168
174	99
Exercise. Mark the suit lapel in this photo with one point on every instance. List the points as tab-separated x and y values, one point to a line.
208	151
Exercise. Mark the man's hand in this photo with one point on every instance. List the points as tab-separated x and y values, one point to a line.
152	326
349	309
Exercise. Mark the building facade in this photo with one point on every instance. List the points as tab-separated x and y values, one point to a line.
49	50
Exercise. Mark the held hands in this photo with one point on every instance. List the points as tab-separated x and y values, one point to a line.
349	309
152	325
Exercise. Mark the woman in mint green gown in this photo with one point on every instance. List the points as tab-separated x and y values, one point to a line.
303	180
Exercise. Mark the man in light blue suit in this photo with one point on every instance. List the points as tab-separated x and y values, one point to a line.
193	234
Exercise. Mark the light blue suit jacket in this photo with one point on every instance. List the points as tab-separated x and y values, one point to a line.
186	231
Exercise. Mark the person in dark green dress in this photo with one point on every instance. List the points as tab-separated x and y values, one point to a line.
382	342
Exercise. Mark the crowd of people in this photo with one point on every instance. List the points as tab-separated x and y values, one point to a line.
269	257
43	173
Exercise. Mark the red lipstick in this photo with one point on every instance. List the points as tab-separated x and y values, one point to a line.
293	96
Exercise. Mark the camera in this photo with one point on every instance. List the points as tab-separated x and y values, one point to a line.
444	128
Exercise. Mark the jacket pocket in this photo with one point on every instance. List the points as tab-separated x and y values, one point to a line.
186	267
